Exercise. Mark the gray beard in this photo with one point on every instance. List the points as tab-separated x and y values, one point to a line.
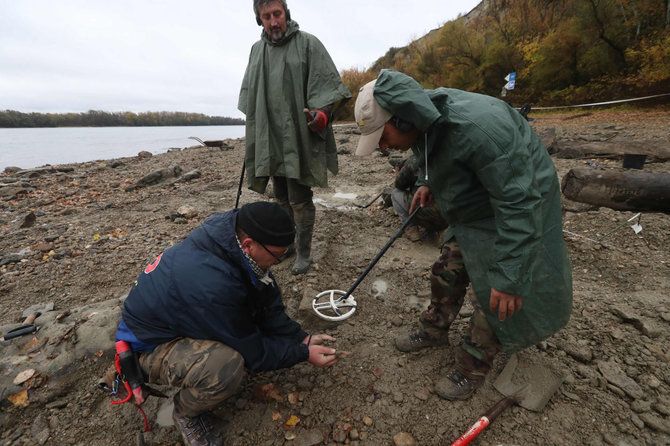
276	37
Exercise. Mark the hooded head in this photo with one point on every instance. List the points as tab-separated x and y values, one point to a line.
371	119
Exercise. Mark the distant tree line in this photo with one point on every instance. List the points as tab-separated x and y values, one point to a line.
564	52
96	118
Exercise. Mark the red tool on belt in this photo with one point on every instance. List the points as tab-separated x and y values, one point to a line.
128	368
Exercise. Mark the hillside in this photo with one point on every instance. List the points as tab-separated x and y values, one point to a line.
563	53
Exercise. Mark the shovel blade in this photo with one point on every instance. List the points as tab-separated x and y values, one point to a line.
530	383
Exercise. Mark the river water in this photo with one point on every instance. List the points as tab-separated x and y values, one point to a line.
27	148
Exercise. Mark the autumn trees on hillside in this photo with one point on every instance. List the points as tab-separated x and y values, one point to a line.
566	51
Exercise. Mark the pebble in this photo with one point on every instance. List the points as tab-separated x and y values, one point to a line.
404	439
640	406
637	421
368	421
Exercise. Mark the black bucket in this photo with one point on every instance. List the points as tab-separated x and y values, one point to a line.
631	161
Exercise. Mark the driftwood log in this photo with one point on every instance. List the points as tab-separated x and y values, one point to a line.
656	150
623	191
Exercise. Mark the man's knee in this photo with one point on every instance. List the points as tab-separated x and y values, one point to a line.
223	371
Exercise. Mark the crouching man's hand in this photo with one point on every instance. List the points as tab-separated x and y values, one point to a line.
320	355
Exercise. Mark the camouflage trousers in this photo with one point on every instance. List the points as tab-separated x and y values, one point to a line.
448	285
207	372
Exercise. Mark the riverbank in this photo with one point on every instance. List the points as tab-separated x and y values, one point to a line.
75	238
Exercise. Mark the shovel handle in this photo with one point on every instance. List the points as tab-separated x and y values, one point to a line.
484	421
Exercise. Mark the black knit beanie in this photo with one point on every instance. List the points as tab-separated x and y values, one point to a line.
267	223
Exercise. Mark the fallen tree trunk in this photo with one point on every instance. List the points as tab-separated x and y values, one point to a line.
659	151
623	191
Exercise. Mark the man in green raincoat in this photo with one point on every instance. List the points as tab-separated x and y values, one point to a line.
494	182
290	91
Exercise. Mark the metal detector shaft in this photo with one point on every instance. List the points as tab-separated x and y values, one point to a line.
381	253
239	188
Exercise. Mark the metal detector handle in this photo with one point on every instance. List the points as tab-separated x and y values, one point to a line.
381	253
239	188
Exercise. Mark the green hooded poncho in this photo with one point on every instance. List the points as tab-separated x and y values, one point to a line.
281	80
494	182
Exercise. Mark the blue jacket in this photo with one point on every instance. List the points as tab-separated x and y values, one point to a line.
204	288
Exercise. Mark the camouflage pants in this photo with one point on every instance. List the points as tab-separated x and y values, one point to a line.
448	285
428	218
207	372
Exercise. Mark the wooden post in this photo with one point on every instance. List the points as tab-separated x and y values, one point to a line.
623	191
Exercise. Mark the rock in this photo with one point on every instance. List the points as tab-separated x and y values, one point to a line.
647	326
11	192
640	406
156	177
339	435
422	394
615	375
24	376
28	221
187	211
581	353
404	439
38	308
662	406
656	423
188	176
12	169
367	421
144	154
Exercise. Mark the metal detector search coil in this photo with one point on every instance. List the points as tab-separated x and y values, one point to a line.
328	307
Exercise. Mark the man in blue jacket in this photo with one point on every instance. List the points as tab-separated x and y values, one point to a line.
208	307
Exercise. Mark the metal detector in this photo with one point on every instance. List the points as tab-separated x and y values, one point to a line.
331	308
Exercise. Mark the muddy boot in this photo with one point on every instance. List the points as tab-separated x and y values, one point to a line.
413	342
196	431
289	210
304	214
457	386
413	233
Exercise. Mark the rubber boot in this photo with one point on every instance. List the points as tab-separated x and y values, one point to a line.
304	214
289	210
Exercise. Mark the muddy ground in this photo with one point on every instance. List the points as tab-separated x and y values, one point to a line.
90	238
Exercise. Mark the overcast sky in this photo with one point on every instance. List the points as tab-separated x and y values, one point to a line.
176	55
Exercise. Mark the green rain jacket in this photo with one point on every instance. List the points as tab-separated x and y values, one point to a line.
493	180
281	80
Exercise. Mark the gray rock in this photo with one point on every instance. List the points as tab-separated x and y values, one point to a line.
38	308
616	376
188	176
156	177
28	221
647	326
581	353
656	423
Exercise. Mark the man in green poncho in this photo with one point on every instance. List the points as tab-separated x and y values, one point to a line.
494	182
290	91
